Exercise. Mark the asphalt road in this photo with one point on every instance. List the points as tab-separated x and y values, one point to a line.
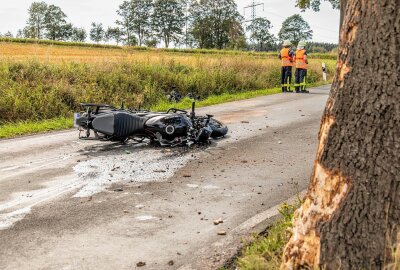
70	204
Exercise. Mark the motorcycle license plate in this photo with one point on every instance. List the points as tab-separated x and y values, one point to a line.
76	117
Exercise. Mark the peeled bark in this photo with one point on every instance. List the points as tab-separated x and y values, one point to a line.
350	218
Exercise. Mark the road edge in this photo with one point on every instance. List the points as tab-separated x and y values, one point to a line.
233	242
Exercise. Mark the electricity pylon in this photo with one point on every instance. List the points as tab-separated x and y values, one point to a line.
253	7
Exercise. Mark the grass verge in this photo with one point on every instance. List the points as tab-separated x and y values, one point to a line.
215	99
265	252
11	130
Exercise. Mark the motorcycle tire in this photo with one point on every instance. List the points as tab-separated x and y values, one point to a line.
218	129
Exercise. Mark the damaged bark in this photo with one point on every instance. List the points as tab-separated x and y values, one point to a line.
350	218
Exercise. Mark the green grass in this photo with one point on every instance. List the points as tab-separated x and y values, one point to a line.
265	252
215	99
10	130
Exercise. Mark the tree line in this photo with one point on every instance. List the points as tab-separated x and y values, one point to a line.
205	24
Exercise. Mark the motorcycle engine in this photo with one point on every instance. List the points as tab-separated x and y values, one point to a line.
170	127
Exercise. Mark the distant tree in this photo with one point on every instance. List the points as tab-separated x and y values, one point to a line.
237	37
20	33
142	18
67	31
26	32
200	30
107	35
168	20
295	28
321	47
132	41
78	34
8	34
97	32
151	43
37	19
260	33
315	4
135	19
113	33
211	22
125	23
56	24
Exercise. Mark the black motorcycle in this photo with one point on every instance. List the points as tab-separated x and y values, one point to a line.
172	128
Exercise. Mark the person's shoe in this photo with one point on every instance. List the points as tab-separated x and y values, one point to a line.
305	91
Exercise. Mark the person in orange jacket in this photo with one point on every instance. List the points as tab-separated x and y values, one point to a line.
287	57
301	68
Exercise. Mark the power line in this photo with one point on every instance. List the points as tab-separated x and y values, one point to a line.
253	7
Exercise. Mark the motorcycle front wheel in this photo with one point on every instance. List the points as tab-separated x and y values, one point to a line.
218	129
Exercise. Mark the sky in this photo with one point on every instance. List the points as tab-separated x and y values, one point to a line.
81	13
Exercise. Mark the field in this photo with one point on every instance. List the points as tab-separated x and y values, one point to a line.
41	81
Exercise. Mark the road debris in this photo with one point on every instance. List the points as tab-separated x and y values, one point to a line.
114	169
171	263
218	221
140	264
222	233
159	171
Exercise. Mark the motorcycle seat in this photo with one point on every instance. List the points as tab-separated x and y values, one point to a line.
127	124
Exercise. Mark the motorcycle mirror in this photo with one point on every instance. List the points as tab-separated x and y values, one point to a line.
193	113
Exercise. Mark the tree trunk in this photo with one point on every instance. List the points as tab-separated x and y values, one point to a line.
166	40
350	218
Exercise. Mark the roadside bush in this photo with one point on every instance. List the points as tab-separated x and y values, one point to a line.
36	89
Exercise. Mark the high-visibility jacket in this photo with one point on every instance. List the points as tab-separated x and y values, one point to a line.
286	57
301	61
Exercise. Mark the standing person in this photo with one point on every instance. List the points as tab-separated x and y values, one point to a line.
301	68
287	57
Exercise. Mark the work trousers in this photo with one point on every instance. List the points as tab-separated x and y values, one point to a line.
300	79
286	78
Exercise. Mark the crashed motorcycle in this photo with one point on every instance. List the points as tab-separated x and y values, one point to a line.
172	128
